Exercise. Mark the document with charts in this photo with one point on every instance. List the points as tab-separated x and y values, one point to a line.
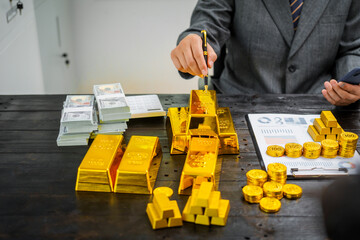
279	129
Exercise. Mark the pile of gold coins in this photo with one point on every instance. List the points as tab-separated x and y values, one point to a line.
328	149
268	188
347	144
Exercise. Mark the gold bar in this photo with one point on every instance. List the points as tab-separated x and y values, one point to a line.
320	126
139	166
186	215
331	136
200	161
224	210
229	143
202	102
176	124
328	119
314	134
336	130
97	171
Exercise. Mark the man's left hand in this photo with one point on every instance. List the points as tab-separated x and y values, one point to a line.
341	93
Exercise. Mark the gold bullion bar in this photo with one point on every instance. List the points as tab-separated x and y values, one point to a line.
331	136
202	111
229	143
176	125
336	130
328	119
97	171
314	134
200	161
139	166
320	126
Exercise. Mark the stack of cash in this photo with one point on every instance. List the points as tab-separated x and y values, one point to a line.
78	120
113	109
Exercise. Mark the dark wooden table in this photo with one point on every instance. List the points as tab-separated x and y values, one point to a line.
37	178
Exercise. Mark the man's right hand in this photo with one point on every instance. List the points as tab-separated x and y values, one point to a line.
188	56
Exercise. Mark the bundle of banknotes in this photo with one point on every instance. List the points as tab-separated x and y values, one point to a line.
113	108
78	120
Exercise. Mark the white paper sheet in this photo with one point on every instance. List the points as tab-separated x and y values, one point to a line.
279	129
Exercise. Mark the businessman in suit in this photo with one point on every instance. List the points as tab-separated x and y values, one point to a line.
275	46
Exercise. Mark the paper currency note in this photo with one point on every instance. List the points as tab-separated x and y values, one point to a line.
79	101
108	89
113	102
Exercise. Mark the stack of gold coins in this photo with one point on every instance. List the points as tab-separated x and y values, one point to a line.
252	194
256	177
293	150
311	150
275	151
270	205
273	189
347	142
277	172
329	148
292	191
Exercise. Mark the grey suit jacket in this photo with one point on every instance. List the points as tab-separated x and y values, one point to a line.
265	55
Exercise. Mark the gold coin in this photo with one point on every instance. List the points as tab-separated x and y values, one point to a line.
166	190
270	205
293	150
275	151
329	148
329	143
252	190
349	136
311	150
292	191
256	174
276	169
273	189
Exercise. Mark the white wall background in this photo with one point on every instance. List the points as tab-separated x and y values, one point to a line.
20	64
126	41
130	41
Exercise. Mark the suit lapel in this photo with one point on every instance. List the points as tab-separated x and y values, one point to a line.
310	14
279	10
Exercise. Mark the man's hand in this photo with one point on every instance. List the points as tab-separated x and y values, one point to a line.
188	56
341	93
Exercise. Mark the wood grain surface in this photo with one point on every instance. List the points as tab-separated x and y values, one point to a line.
37	178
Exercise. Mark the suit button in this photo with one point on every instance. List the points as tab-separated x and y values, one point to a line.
292	68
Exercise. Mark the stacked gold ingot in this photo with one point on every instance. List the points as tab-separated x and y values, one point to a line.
329	148
311	150
162	212
139	166
200	162
97	171
206	207
273	189
347	142
275	151
292	191
277	172
203	118
293	150
325	127
270	205
256	177
252	194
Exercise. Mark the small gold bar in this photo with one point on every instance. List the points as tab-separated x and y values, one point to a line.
97	170
200	161
176	124
328	119
331	136
314	134
186	215
224	210
336	130
139	166
229	143
320	126
202	102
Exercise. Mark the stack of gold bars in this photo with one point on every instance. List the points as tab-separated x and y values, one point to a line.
203	130
325	127
206	207
106	167
269	194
